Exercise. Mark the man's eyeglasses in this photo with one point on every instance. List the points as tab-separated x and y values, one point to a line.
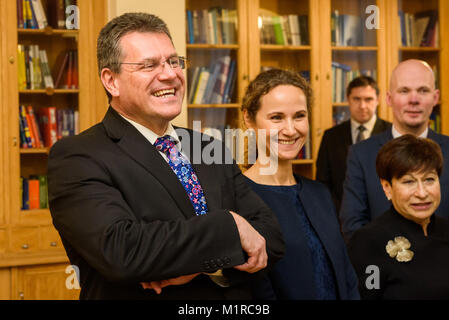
150	65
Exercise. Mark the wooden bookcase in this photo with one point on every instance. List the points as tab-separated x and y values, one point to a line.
369	53
30	248
436	55
301	57
202	52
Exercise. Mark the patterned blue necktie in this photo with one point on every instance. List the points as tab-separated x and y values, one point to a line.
184	171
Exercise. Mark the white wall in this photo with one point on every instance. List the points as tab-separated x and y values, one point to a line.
173	13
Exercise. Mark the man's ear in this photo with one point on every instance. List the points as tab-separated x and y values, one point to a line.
108	78
387	188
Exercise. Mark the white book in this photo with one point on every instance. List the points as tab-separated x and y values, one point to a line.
40	14
204	77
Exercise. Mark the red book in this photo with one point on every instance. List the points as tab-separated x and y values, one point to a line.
48	125
75	70
35	128
69	77
32	132
33	190
60	68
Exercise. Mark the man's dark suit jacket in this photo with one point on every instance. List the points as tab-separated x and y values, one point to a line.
332	156
363	196
124	217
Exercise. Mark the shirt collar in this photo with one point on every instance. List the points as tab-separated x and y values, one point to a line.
396	133
369	125
150	135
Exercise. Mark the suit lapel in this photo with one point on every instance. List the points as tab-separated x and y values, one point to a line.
347	135
379	126
137	147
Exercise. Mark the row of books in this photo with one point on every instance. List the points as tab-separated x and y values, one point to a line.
214	84
34	192
284	30
348	30
48	125
419	29
34	70
31	14
342	74
214	26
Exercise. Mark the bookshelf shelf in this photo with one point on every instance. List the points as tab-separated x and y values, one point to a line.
50	92
36	212
357	48
202	46
339	104
34	150
49	32
277	47
225	105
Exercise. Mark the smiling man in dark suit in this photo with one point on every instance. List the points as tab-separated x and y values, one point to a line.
132	208
363	97
411	96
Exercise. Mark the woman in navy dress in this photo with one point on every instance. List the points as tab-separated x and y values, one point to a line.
315	264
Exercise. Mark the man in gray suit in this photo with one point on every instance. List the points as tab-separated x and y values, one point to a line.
363	97
412	96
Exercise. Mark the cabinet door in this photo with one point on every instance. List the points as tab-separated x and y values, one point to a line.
43	283
284	35
421	33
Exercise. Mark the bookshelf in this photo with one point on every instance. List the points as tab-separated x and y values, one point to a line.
29	244
350	49
217	59
296	48
421	33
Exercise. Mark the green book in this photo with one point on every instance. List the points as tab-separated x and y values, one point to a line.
278	30
43	192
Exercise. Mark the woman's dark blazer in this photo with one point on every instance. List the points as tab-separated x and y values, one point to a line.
320	210
426	276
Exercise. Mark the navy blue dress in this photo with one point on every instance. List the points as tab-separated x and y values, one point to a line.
306	271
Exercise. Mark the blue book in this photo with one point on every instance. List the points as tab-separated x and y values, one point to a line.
403	32
25	195
227	91
190	26
34	24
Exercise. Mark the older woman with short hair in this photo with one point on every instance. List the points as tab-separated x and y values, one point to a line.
404	254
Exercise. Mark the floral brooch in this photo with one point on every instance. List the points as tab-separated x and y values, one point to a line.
398	248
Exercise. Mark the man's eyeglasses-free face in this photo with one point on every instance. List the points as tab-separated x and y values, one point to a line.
151	65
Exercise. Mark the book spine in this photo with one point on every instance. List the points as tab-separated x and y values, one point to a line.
25	194
34	202
35	127
26	128
43	192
